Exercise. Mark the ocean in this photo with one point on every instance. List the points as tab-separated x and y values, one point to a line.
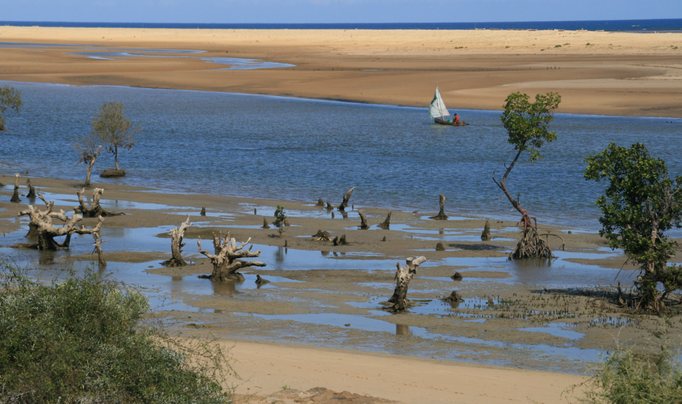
654	25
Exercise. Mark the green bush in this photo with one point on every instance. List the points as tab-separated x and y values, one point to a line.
626	377
82	340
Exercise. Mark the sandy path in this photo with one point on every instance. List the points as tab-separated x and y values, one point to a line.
595	72
267	368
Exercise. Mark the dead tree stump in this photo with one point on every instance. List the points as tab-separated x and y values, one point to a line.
177	233
41	226
454	297
403	276
457	276
320	203
203	211
265	224
322	236
346	197
441	214
260	281
329	207
94	210
386	224
485	236
363	220
31	190
226	260
440	246
341	240
101	263
15	195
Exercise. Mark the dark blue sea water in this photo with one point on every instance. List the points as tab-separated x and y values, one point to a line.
657	25
297	149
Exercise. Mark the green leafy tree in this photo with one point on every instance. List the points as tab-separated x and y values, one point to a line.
527	126
280	219
115	130
639	205
10	98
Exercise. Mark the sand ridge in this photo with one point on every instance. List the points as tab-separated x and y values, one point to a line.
631	74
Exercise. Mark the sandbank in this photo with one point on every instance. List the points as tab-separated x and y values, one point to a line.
610	73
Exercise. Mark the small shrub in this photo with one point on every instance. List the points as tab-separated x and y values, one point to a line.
626	377
82	340
280	219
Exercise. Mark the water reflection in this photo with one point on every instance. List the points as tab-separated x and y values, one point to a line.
402	329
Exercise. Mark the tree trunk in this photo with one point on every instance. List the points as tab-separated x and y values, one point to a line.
95	210
386	224
485	236
15	195
98	249
41	224
116	156
363	220
177	233
226	261
346	197
403	276
441	214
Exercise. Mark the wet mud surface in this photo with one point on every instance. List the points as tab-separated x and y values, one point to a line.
548	315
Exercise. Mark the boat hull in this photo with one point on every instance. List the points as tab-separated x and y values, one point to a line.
445	122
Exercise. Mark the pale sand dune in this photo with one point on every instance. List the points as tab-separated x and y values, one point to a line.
633	74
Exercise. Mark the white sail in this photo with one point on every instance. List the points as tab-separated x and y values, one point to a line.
438	108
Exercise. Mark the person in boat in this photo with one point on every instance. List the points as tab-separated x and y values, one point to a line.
456	120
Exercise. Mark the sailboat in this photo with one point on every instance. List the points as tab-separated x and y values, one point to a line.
439	111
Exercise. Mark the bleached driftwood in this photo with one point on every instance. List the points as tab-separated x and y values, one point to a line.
403	276
94	210
226	259
386	224
346	197
177	233
441	214
363	220
15	195
41	225
98	249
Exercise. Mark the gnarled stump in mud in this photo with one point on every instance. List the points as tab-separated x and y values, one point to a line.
441	214
386	224
457	276
226	260
340	240
177	233
15	195
440	246
403	276
485	236
346	197
322	236
203	211
94	210
532	245
40	224
260	281
265	224
363	220
31	190
329	207
320	203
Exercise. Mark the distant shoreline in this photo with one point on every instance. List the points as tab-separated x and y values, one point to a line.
638	25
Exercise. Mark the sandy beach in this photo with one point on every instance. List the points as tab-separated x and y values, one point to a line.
628	74
514	340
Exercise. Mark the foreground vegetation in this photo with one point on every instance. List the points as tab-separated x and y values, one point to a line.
83	340
626	377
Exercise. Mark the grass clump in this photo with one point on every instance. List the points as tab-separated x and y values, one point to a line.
82	340
627	377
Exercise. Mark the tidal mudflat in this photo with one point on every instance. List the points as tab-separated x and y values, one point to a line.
547	315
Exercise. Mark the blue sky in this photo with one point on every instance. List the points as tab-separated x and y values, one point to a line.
334	11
